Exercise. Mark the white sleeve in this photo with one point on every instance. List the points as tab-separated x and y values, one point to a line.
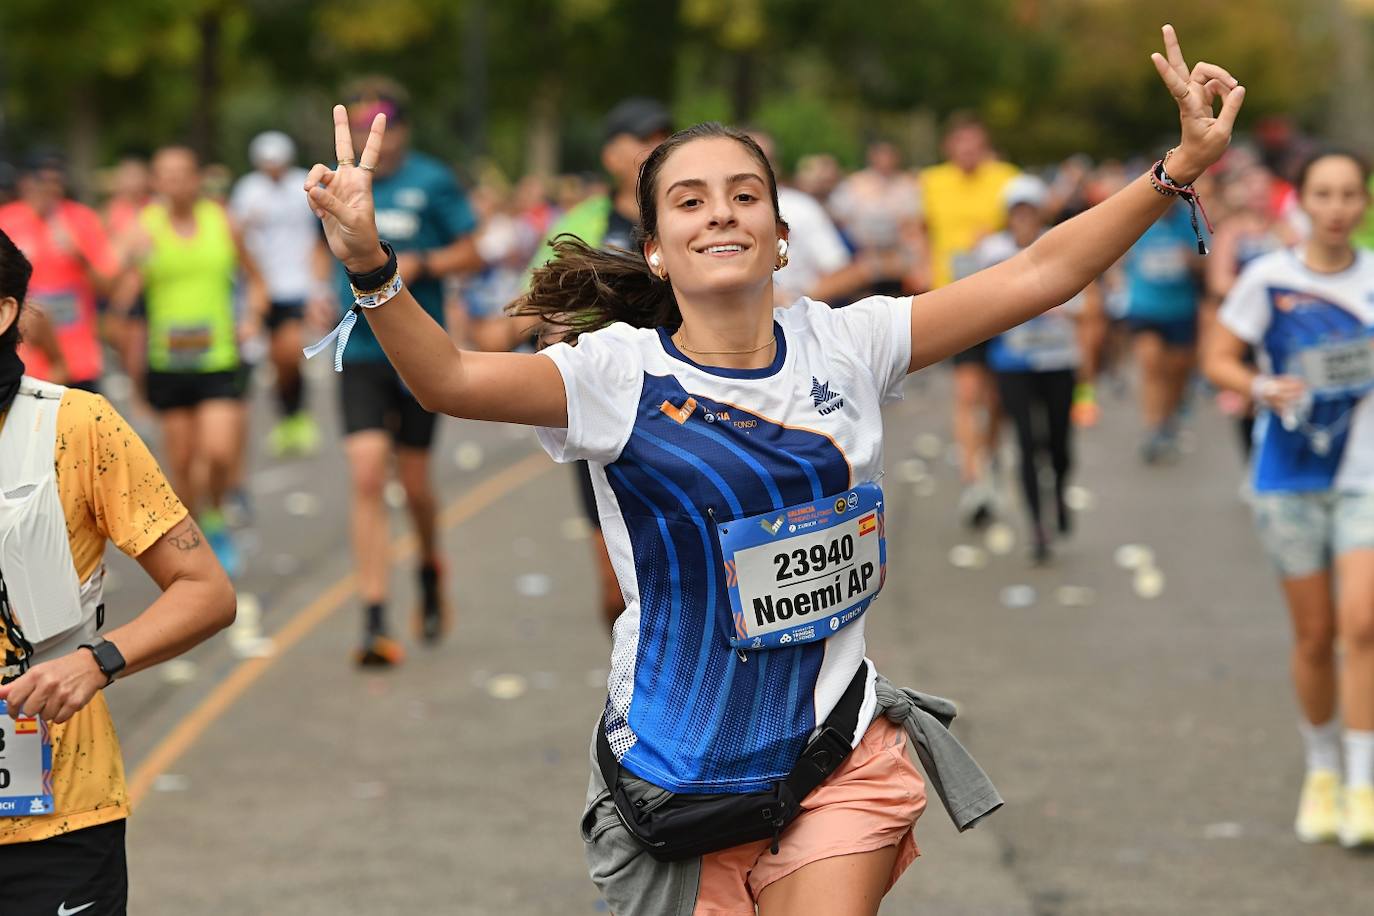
877	332
820	237
239	198
1245	312
603	378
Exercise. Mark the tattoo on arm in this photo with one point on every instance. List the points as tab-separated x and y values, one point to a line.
185	536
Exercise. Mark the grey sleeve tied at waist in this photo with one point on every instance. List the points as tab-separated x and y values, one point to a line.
966	791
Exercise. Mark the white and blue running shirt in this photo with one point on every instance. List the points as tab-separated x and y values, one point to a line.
676	447
1283	308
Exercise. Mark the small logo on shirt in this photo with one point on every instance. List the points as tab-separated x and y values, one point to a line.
679	414
827	401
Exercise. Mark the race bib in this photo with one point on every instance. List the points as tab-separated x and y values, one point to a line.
800	574
1165	264
62	307
1345	367
1047	337
25	766
187	346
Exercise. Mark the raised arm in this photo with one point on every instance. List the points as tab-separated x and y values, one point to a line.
511	387
1068	257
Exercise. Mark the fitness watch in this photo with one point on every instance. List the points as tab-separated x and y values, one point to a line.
107	658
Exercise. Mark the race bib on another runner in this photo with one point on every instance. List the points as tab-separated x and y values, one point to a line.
187	346
800	574
62	307
25	766
1045	338
1342	368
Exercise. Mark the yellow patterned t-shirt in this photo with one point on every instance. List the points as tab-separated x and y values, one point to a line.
111	489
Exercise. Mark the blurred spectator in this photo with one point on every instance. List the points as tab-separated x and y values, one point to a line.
818	175
963	203
281	232
819	263
73	265
532	205
1162	293
880	210
130	191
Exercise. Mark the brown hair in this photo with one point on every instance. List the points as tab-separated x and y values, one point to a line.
582	288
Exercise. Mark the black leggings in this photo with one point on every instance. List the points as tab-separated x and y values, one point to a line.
1039	404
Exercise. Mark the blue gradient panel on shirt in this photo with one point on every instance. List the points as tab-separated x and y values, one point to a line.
705	719
1285	460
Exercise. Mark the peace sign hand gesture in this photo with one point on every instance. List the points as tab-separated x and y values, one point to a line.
1205	137
342	197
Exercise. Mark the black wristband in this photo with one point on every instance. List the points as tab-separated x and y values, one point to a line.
375	279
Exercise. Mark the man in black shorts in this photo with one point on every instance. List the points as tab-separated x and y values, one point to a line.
423	213
632	129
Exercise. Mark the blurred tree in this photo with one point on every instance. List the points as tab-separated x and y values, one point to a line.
525	82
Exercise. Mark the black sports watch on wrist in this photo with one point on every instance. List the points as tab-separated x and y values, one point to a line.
107	658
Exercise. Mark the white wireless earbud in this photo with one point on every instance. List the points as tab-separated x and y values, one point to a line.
655	260
782	248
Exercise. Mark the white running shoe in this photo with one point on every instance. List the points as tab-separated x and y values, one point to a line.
977	505
1319	807
1357	824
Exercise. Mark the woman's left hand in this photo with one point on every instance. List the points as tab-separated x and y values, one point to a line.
1205	137
56	690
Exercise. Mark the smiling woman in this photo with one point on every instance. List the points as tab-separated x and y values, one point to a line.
748	754
583	289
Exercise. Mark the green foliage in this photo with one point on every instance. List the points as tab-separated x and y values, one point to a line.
1049	76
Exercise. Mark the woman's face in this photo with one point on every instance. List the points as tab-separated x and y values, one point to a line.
717	232
1334	197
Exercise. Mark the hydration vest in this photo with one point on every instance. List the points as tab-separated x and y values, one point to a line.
51	612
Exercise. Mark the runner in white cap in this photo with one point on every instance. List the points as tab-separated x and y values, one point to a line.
281	233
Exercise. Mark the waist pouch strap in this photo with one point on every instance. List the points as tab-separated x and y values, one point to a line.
689	826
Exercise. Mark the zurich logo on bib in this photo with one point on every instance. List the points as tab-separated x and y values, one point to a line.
806	579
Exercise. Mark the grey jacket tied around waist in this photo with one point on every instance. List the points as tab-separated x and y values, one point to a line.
966	791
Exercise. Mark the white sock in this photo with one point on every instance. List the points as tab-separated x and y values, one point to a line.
1323	744
1359	759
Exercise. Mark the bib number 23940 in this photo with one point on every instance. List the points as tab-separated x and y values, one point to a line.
25	766
801	573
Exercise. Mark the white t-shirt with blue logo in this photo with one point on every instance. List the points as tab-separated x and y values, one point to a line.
675	448
1316	326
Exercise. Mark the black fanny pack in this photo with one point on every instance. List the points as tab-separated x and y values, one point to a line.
688	826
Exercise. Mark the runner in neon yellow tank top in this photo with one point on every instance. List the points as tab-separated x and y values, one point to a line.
189	255
189	288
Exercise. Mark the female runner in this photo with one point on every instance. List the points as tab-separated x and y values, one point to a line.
1307	312
719	428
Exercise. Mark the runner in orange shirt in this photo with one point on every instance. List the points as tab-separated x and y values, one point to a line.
73	264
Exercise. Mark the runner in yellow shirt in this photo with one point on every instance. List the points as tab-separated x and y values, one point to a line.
963	204
73	476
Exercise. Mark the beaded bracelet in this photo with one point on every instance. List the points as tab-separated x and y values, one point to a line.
1167	187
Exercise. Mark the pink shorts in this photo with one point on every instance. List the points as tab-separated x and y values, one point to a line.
871	802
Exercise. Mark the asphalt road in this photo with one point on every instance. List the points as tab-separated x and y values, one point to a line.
1145	745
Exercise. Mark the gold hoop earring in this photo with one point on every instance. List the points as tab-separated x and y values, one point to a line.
782	262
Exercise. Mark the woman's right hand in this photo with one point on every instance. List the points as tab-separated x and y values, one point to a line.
342	197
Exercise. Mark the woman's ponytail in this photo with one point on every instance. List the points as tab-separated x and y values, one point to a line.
583	289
